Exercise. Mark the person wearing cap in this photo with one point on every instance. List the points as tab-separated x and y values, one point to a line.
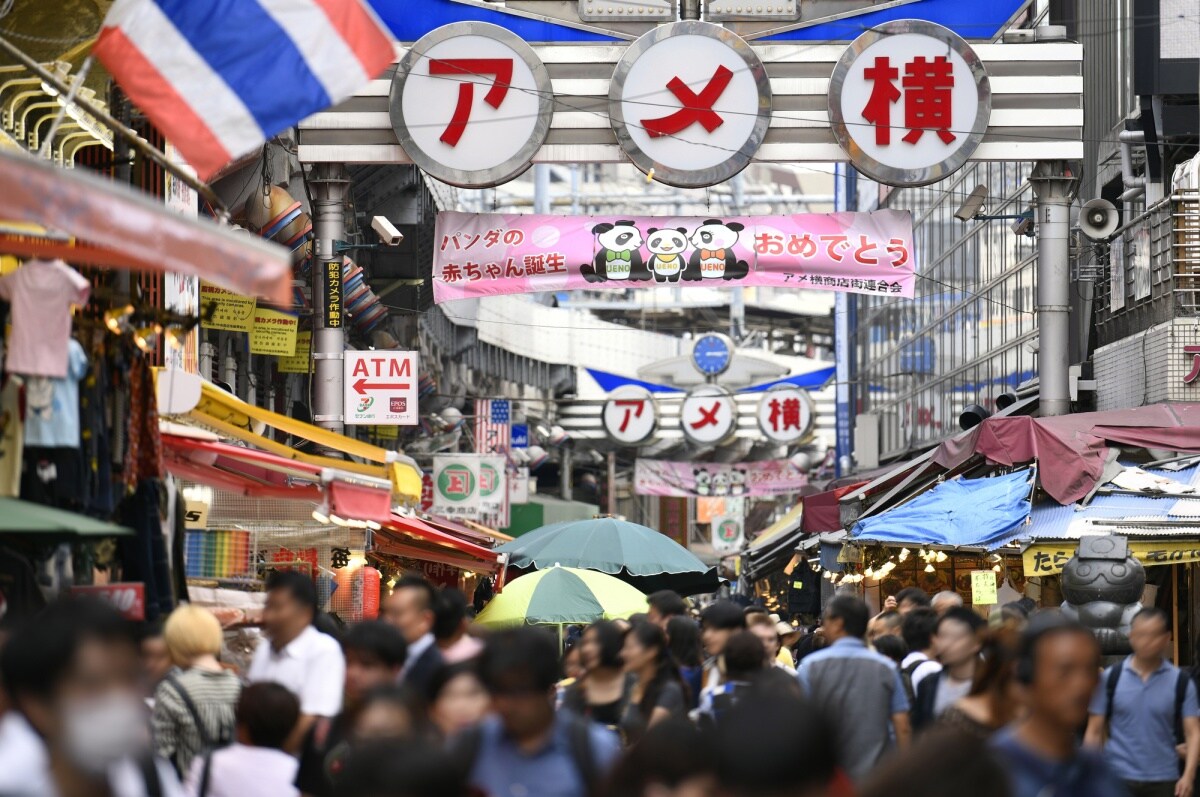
789	635
718	623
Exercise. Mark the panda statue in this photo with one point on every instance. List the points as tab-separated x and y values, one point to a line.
714	257
666	247
618	255
703	481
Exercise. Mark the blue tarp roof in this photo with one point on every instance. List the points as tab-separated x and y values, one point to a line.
977	513
1052	521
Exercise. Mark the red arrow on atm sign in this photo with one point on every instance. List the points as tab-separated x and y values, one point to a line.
362	386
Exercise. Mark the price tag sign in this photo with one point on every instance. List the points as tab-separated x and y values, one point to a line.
983	587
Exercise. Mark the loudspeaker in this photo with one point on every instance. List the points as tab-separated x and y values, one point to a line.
1006	400
972	416
1097	219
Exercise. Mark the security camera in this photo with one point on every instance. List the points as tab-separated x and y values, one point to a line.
972	205
1023	225
387	232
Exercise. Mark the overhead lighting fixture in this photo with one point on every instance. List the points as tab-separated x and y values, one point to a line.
929	568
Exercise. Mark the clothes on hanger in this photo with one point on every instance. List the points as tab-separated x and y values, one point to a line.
52	405
12	435
41	293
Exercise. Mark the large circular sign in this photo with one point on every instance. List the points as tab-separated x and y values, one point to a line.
785	415
708	415
690	102
909	102
471	104
630	415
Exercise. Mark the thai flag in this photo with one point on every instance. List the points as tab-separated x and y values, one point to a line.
220	77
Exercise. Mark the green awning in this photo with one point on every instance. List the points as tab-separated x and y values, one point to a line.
24	517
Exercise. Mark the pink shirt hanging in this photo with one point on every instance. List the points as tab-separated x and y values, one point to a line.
41	293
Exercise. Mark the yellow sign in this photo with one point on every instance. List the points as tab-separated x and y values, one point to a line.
273	333
234	312
298	363
983	587
387	432
1048	558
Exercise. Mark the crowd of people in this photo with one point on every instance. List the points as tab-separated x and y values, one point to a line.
927	697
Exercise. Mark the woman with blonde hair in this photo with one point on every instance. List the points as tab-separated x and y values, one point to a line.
194	705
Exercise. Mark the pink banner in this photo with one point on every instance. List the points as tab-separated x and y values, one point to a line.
490	255
773	477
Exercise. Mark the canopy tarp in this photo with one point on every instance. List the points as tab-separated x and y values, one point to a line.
1072	449
980	513
24	517
107	224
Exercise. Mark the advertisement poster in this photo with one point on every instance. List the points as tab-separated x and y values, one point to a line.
689	479
494	254
380	388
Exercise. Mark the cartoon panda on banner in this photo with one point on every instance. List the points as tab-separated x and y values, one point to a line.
714	257
666	247
617	254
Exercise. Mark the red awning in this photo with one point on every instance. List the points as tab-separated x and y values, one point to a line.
458	529
420	530
821	510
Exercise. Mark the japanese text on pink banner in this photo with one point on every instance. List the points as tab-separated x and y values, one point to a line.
490	255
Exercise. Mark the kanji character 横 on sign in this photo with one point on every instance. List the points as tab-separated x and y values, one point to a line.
785	414
909	102
471	104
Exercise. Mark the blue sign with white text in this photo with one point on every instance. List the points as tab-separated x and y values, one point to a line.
977	20
519	436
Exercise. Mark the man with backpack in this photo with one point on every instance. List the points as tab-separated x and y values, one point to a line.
1145	706
525	748
917	630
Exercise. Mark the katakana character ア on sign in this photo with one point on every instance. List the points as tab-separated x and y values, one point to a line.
928	86
1195	372
878	110
633	409
466	69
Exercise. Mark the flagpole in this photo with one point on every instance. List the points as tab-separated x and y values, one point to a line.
127	133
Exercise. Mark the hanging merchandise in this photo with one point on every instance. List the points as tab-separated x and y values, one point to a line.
144	457
12	435
144	555
52	417
95	437
42	293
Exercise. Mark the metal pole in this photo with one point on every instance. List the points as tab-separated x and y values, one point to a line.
564	474
737	302
329	183
612	482
541	189
1053	186
124	131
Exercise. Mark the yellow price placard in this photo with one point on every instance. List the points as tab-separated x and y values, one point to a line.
298	363
233	312
983	587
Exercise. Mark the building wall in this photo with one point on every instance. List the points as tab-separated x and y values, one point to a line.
1148	367
965	338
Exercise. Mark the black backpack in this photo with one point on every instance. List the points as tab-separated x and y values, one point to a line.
906	676
579	740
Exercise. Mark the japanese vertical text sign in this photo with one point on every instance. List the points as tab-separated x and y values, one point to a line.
381	388
334	310
471	104
494	254
909	102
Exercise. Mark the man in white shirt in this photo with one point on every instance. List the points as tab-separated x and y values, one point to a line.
917	630
297	655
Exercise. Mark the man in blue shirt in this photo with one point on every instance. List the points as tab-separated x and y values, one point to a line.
1058	667
857	686
525	749
1140	723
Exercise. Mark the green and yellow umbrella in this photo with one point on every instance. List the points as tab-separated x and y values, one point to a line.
559	596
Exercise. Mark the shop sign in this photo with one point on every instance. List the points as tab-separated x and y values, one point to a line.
456	486
708	415
479	254
1049	558
983	587
493	485
426	490
301	360
909	102
128	598
727	535
630	415
471	104
380	388
690	103
334	308
518	486
181	292
785	415
519	433
195	514
232	312
273	333
717	480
